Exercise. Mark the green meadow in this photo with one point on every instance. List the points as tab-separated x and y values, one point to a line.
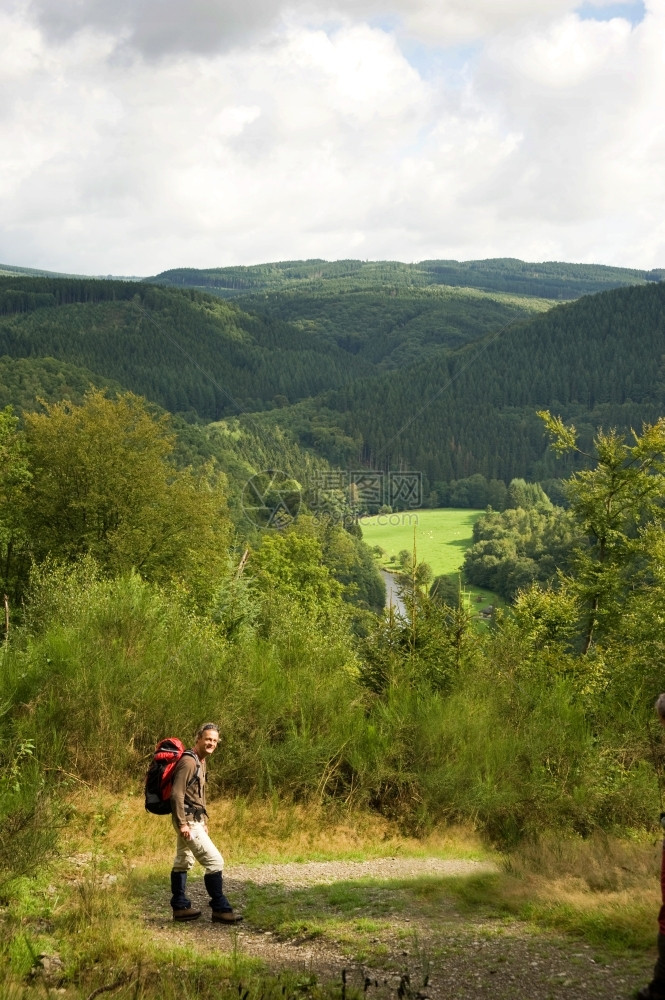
441	537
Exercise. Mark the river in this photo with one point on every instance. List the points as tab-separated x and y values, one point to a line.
392	594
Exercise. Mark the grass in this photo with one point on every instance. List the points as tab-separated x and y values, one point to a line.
90	932
602	890
254	832
89	906
358	908
352	914
441	536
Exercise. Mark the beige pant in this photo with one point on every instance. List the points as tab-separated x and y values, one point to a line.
199	848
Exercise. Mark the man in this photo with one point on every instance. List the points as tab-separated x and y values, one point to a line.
656	988
190	819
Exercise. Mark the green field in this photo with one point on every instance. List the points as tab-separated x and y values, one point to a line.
441	539
441	536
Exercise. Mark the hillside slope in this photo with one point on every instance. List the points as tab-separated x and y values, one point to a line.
193	353
188	352
597	361
444	381
549	279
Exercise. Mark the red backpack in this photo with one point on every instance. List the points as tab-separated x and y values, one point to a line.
159	779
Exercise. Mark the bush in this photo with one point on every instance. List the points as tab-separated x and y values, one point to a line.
509	732
28	813
108	667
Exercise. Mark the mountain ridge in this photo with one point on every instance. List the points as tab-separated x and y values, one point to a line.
442	379
549	279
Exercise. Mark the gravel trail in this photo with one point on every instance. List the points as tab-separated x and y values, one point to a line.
452	957
306	873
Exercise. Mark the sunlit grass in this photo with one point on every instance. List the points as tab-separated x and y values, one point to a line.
441	536
603	890
257	831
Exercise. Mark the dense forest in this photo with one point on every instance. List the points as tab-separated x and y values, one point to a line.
68	494
598	361
190	353
134	564
441	380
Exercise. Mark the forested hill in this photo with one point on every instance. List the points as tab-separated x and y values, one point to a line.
442	380
599	361
550	279
195	354
190	353
240	451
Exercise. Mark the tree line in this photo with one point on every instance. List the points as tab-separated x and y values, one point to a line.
551	279
101	479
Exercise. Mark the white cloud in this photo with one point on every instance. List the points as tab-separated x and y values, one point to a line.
584	96
158	27
235	133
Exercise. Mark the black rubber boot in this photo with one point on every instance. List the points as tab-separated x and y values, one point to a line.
180	904
656	988
222	911
647	993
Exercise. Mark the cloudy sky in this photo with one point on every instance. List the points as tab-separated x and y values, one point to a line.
138	135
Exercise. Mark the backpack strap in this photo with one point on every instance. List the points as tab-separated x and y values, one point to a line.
197	773
195	777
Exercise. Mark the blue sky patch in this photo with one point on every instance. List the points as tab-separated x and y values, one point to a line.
429	60
631	11
435	61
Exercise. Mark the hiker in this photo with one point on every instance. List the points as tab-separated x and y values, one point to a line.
190	819
656	988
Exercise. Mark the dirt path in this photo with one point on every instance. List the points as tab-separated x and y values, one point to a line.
445	956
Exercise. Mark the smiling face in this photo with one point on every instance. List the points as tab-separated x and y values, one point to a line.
206	743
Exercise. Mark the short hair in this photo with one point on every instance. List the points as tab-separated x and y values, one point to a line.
206	725
660	705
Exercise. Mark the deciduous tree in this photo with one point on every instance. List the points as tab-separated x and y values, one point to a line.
102	484
623	492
